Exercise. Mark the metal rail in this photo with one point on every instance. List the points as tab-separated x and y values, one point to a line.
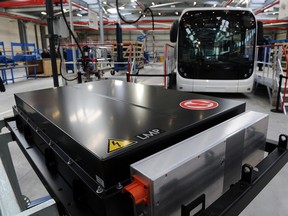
253	180
281	97
166	63
285	84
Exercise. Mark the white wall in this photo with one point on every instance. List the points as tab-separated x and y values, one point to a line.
31	38
9	31
280	35
47	39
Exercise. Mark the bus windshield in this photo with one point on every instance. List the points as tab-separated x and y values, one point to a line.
216	44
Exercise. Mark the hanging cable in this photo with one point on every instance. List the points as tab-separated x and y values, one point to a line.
153	23
70	31
153	28
135	21
122	18
61	61
76	41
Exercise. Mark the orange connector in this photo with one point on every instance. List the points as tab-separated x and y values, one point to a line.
139	190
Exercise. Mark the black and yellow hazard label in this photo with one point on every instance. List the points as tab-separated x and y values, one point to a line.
115	144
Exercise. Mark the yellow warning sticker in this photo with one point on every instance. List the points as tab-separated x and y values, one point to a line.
115	144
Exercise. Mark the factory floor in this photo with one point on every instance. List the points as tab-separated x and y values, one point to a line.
271	201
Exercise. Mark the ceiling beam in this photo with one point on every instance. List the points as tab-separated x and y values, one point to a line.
228	3
32	9
22	18
267	7
25	15
21	3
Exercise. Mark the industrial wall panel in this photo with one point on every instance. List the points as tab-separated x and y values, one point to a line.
9	31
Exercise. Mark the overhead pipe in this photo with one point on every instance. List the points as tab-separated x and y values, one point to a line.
21	3
27	3
228	3
267	7
85	9
79	6
24	15
22	18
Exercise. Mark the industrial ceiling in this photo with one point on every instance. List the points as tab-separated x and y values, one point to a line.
164	11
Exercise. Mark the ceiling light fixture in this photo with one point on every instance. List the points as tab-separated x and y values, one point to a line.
194	3
126	14
43	13
112	10
176	12
105	10
159	14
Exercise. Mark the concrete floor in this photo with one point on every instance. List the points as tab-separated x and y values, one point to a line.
271	201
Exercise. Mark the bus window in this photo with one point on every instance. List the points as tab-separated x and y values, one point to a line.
216	44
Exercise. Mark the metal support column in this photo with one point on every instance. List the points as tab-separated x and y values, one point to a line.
72	39
43	38
36	36
22	31
50	17
101	22
119	43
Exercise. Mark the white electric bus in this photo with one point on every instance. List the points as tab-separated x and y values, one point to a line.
215	50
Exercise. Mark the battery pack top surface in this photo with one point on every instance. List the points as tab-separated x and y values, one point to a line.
111	117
